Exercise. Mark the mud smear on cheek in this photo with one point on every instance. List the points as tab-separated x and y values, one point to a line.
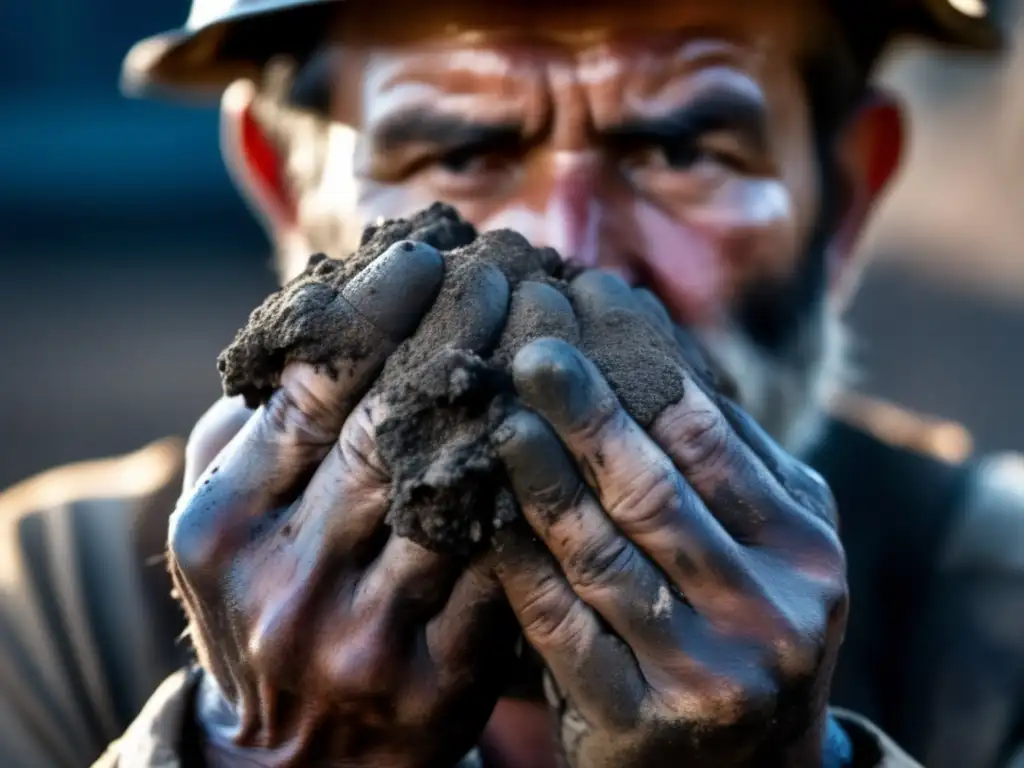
445	398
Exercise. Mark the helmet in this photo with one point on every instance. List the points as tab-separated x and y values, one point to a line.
224	40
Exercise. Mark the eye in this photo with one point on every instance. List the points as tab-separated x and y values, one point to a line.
471	160
678	155
685	155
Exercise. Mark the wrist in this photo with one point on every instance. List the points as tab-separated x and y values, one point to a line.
220	733
226	742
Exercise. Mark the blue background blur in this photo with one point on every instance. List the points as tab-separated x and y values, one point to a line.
127	261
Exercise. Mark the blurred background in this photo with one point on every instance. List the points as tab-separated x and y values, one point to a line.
127	261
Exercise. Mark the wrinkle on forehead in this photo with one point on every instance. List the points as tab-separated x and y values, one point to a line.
421	58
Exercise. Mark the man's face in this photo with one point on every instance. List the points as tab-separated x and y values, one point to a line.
670	142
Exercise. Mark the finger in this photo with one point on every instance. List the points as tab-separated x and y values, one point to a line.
594	668
536	311
601	565
637	484
475	632
597	292
803	484
654	310
735	484
214	430
348	496
340	517
278	448
473	289
407	583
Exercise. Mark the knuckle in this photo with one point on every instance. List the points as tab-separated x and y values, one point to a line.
600	563
700	437
357	446
818	549
272	642
814	493
365	665
798	652
648	497
198	541
732	704
836	601
302	414
558	496
800	645
711	700
550	618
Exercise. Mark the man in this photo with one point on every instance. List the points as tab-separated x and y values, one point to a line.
690	599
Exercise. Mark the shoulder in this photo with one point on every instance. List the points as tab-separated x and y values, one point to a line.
131	477
893	470
900	429
974	501
87	621
988	533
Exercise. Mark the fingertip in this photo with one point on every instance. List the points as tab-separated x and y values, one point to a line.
519	434
398	287
654	310
543	475
555	379
597	291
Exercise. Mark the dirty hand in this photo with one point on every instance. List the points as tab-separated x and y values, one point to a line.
325	641
688	593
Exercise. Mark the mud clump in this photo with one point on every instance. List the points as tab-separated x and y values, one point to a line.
448	386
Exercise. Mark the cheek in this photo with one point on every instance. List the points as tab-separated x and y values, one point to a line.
701	258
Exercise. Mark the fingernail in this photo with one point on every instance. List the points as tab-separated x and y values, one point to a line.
397	288
554	379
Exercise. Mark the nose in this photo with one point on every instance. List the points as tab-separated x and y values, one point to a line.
572	215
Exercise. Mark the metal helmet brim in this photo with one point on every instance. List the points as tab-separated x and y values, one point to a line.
226	40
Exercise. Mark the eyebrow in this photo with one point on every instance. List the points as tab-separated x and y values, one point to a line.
442	132
714	110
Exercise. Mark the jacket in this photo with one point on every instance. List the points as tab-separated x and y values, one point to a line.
933	656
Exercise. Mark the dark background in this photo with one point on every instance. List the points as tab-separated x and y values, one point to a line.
127	261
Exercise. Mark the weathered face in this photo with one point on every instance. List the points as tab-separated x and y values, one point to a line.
670	142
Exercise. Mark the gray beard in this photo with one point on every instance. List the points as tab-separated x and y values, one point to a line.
787	392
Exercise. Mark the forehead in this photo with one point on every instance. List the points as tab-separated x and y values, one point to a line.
394	50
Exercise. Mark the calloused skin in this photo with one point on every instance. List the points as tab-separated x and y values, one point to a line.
684	584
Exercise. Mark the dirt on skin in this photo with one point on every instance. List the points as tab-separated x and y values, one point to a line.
449	386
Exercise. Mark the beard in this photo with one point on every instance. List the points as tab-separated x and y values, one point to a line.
786	390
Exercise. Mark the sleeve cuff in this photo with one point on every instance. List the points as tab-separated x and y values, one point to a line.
155	737
869	746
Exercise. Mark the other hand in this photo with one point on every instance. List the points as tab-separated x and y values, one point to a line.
688	591
324	639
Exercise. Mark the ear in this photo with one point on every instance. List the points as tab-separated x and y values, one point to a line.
869	152
254	162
